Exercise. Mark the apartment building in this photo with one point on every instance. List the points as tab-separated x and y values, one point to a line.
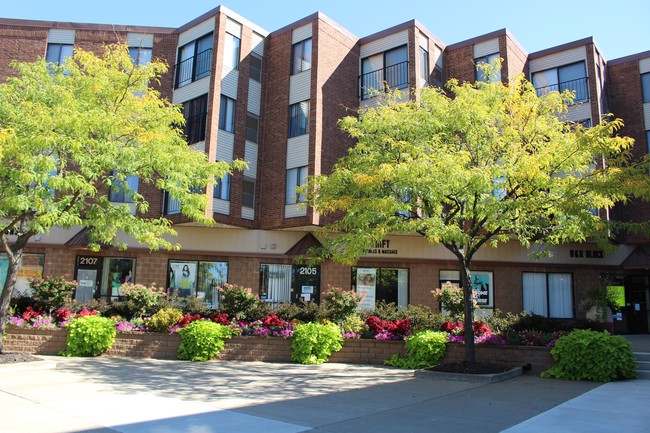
273	99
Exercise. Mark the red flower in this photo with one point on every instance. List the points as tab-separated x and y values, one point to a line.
187	319
86	312
273	320
62	314
221	319
30	313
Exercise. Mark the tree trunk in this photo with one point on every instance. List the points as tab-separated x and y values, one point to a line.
466	284
15	256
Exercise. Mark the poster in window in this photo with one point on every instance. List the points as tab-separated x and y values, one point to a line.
211	276
182	278
482	286
367	286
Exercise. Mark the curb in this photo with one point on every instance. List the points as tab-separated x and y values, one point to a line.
27	366
483	378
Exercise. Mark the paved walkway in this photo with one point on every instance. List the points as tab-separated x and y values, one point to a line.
101	395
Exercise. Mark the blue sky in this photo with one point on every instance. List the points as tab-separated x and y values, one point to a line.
620	28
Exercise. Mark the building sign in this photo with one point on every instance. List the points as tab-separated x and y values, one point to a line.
587	254
382	247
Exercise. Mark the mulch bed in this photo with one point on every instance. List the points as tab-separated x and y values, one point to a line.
465	367
12	358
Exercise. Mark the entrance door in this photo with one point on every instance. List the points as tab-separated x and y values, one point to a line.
306	284
636	309
87	277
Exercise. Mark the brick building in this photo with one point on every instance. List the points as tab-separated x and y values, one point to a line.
273	99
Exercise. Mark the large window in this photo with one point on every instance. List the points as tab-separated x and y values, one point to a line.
571	77
188	278
116	271
227	114
252	127
481	74
275	283
195	112
57	53
301	56
222	188
31	267
381	284
548	294
387	70
140	56
645	85
232	45
255	68
299	119
194	61
248	192
295	177
424	65
120	194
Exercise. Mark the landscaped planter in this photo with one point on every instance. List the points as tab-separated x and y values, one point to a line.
270	349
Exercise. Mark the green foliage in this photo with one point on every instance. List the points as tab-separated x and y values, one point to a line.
89	336
423	349
164	319
52	292
192	305
202	340
314	343
354	324
144	298
240	303
301	311
591	355
339	303
451	298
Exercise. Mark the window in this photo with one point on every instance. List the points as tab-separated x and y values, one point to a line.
275	283
381	284
140	56
188	278
195	112
387	69
295	177
299	119
645	86
30	267
481	73
571	77
231	57
548	294
437	76
57	53
424	65
115	272
194	61
222	188
252	127
118	194
255	68
227	114
301	56
248	192
172	205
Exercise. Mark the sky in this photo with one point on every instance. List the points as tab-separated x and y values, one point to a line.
620	28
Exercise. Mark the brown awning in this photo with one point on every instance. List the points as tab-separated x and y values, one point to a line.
81	239
639	258
303	245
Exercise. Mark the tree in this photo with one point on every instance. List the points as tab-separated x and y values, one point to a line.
70	133
492	164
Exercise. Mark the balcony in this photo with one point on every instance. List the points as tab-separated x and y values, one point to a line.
391	77
172	206
192	69
195	127
579	87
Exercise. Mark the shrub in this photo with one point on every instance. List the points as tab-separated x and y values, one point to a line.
339	304
421	317
423	349
314	343
89	336
164	319
52	292
301	311
451	298
143	299
193	305
592	355
353	324
388	329
240	303
202	340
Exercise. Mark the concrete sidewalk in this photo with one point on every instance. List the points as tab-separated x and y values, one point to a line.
99	395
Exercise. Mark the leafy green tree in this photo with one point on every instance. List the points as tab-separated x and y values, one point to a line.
70	133
490	165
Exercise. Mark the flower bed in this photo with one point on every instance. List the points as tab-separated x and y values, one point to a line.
270	349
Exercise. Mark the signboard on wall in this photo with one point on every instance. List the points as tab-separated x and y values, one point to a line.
482	286
367	286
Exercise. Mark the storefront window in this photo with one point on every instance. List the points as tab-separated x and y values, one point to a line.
289	283
115	272
32	267
198	279
381	284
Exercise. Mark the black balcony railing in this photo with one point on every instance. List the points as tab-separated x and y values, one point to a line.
195	127
171	205
390	77
192	69
579	87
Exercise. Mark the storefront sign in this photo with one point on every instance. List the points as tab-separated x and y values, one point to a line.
587	254
382	247
483	288
367	286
